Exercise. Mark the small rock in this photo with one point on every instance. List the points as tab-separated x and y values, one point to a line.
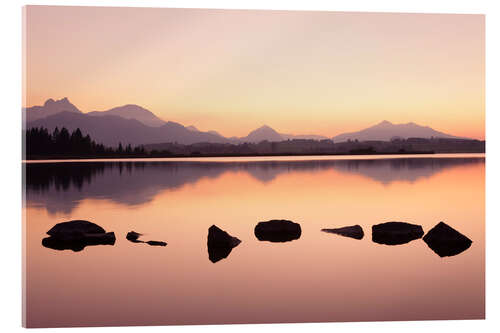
156	243
134	236
220	244
354	231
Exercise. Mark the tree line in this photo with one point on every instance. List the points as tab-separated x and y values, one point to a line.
61	143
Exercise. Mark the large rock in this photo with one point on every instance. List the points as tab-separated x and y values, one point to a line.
75	228
354	231
277	231
446	241
76	235
396	233
220	243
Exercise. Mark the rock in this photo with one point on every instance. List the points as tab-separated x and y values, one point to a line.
396	233
220	244
72	242
134	236
354	231
156	243
75	228
446	241
277	231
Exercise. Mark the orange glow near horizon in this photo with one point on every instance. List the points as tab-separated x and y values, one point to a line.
232	71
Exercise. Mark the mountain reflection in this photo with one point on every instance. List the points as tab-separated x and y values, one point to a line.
59	187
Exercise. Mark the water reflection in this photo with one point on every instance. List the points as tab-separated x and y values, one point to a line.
59	187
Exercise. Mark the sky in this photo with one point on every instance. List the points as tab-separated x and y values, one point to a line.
232	71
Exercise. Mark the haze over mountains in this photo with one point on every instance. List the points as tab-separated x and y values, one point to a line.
132	124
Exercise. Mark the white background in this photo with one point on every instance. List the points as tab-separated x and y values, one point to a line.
10	167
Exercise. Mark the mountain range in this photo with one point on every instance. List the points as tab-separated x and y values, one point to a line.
135	125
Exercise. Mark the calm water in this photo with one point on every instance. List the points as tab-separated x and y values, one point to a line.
319	277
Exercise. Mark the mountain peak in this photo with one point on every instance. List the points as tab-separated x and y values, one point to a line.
263	133
386	130
132	111
61	102
265	127
50	107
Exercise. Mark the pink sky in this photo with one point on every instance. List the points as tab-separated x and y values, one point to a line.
233	70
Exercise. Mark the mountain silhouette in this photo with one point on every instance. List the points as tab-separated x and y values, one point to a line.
262	133
132	111
385	131
195	129
111	130
192	128
50	107
135	125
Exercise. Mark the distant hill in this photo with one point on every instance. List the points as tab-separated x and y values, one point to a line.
262	133
111	130
50	107
132	111
195	129
386	130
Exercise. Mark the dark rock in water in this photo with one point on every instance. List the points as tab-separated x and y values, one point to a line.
134	237
75	229
277	231
220	243
396	233
446	241
78	243
156	243
354	231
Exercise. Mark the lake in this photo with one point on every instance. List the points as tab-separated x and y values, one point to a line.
319	277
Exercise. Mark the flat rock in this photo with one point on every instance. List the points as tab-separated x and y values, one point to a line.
446	241
156	243
354	231
76	235
75	228
396	233
220	244
277	231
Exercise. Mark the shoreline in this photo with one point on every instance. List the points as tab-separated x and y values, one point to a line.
258	158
